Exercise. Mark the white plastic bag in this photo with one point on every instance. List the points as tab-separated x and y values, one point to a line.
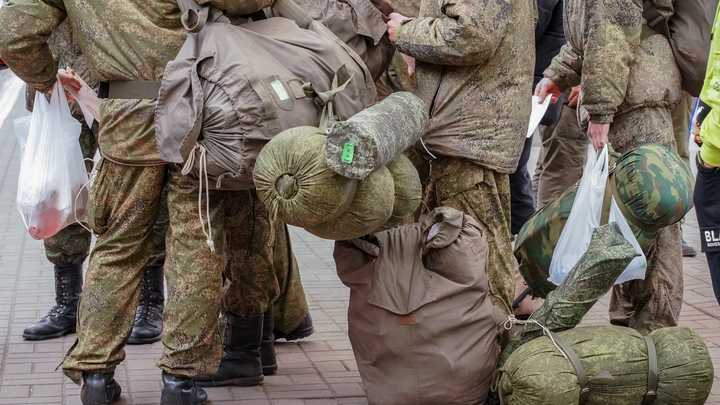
51	192
585	217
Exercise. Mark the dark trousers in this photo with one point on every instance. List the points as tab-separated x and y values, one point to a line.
707	208
522	198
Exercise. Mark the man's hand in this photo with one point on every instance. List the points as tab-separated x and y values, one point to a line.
69	81
545	87
598	134
574	95
393	24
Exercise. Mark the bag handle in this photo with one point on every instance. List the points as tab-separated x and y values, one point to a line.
194	16
653	378
290	9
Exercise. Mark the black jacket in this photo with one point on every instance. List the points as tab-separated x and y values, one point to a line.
549	38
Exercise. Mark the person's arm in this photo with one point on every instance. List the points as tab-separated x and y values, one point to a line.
469	34
612	34
565	69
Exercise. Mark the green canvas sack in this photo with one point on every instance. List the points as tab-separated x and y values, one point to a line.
608	365
653	188
408	191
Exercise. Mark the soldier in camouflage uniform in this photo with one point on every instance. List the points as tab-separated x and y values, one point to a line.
474	70
629	83
68	249
132	40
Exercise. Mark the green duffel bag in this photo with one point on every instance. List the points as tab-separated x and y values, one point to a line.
296	184
653	188
608	365
408	191
371	206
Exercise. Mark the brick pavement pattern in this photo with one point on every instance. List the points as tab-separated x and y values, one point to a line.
319	370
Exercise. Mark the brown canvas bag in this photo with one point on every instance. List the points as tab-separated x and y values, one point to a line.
421	324
261	77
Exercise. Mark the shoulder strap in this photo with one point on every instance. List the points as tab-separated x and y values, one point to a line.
579	369
653	379
290	9
656	20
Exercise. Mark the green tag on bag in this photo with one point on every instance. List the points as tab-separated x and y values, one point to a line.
348	152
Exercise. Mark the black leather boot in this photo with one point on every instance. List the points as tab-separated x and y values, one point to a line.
241	364
149	314
303	330
181	391
99	389
61	318
267	347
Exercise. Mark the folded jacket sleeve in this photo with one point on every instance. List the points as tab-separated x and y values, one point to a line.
565	68
26	27
468	34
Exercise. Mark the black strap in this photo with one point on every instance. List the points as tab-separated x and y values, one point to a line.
140	89
579	369
653	379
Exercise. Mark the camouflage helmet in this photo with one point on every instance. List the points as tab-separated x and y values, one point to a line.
654	185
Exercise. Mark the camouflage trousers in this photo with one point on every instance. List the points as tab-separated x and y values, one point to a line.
261	274
653	303
123	206
71	246
562	157
485	195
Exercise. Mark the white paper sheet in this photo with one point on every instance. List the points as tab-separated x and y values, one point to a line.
538	111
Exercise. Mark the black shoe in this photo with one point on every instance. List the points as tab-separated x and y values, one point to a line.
687	250
267	347
149	314
99	389
61	318
304	330
181	391
241	363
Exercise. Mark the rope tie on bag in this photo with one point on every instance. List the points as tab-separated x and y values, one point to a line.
91	176
202	172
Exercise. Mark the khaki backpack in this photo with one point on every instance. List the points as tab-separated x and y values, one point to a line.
236	84
689	31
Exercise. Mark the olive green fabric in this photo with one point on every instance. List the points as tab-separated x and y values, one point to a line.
291	173
654	184
377	135
408	191
538	374
421	323
371	207
588	281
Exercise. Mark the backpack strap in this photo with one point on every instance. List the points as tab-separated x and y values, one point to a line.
656	20
653	379
290	9
579	369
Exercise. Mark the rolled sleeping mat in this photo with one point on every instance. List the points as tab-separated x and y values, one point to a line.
408	191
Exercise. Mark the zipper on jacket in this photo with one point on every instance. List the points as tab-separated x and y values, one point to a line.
437	91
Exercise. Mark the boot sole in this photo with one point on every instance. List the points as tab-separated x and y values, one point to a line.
45	337
115	398
144	341
295	335
239	382
269	370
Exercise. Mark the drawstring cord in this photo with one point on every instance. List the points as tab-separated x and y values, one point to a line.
202	172
512	321
91	177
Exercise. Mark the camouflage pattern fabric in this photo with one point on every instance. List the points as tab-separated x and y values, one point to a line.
474	71
484	195
538	373
408	191
377	134
653	303
588	281
291	307
670	196
617	70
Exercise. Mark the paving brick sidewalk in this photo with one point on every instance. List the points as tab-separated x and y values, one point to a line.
319	370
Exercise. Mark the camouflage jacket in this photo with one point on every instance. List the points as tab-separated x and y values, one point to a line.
474	70
121	40
619	68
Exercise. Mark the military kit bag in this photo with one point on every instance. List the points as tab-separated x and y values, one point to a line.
689	31
294	181
421	324
608	365
364	143
652	187
232	88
